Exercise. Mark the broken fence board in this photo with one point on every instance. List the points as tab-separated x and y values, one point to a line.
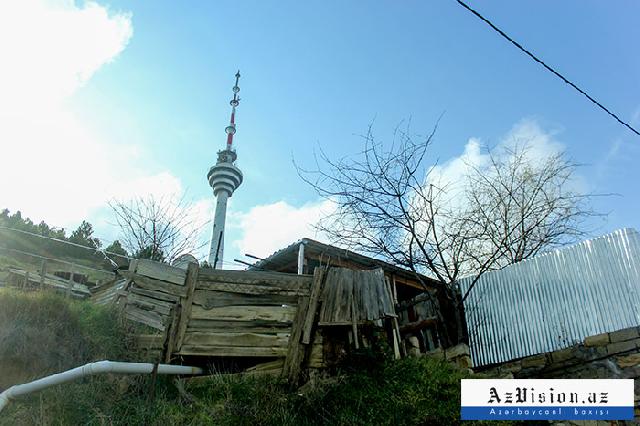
171	333
165	297
296	350
310	317
156	285
186	304
151	319
161	271
271	366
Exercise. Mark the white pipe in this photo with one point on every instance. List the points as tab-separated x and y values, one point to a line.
301	258
88	370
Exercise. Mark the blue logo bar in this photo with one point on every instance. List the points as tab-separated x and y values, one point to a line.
547	413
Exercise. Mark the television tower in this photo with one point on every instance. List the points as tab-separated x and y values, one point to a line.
224	178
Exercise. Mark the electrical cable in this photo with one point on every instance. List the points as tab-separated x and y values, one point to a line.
532	56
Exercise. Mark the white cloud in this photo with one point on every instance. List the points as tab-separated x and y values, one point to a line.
54	166
270	227
540	144
51	48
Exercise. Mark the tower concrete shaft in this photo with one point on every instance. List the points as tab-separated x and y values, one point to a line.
224	178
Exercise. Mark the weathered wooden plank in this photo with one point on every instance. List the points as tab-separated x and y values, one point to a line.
255	326
379	290
165	297
236	339
238	351
371	296
156	285
171	333
211	299
161	271
252	288
271	366
316	356
343	311
264	278
296	350
152	319
133	265
186	304
149	341
386	297
327	296
314	298
149	304
245	313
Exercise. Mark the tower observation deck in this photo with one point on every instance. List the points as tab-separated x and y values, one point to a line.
224	177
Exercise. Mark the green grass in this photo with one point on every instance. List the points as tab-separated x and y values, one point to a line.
41	333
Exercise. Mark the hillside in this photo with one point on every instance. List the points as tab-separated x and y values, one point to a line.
42	333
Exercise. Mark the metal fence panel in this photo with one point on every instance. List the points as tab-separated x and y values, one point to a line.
555	300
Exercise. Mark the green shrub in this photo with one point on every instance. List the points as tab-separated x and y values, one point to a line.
42	332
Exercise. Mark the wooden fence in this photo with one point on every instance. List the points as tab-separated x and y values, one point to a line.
239	314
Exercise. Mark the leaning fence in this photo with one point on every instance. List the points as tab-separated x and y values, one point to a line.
202	312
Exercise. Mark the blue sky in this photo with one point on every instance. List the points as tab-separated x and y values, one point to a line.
144	98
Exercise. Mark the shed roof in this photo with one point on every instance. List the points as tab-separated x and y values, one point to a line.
285	257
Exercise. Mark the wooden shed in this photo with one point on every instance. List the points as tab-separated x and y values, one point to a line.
415	296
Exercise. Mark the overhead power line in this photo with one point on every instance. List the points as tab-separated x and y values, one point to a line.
96	250
532	56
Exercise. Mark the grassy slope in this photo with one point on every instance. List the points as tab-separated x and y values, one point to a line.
41	333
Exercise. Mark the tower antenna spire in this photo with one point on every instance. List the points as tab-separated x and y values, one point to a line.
231	128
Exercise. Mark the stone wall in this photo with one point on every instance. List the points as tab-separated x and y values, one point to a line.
458	355
614	355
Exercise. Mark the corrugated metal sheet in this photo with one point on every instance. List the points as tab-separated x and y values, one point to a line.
556	299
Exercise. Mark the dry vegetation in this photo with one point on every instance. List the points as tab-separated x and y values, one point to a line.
41	333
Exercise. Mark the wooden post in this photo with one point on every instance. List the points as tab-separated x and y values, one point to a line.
354	324
184	311
394	289
170	334
70	287
25	283
301	258
43	271
319	275
296	350
397	348
133	265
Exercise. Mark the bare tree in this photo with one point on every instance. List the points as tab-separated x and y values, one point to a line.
522	205
157	228
389	206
